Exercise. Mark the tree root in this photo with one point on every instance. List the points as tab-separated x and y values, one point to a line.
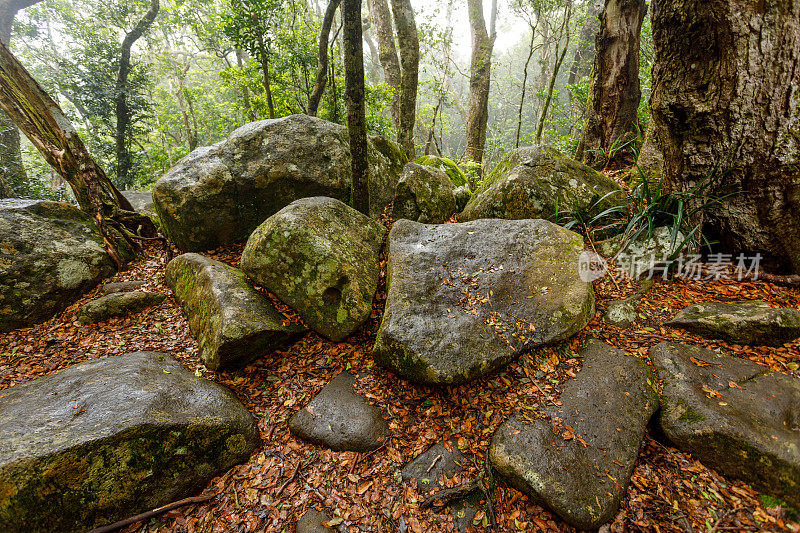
152	514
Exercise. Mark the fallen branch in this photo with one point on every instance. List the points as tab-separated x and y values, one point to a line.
155	512
788	280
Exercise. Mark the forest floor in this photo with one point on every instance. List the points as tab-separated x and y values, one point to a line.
670	491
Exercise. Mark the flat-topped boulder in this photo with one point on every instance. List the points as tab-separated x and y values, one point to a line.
340	419
113	437
424	194
321	258
540	182
51	253
233	322
734	415
748	322
118	304
219	194
465	299
579	461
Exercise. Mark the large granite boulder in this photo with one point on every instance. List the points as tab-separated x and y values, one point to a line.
540	182
340	419
50	255
734	415
320	257
219	194
448	166
465	299
233	323
579	461
748	322
424	194
118	304
112	437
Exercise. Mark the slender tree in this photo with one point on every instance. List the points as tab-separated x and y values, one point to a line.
564	34
611	115
356	105
124	160
726	103
387	53
322	60
51	132
480	78
11	167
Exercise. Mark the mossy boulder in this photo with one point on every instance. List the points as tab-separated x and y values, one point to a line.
424	194
321	258
540	182
50	255
118	304
110	438
465	299
748	322
578	462
218	195
448	166
234	324
734	415
645	254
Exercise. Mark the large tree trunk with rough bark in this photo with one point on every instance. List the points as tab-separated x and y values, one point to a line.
726	101
387	53
408	46
124	160
51	132
356	106
480	79
611	118
322	59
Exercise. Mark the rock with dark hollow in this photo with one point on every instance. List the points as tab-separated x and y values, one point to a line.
424	194
50	255
113	437
123	286
748	322
233	323
142	202
540	182
321	257
340	419
118	304
218	195
734	415
579	462
465	299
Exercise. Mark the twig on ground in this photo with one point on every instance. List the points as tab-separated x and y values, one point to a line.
155	512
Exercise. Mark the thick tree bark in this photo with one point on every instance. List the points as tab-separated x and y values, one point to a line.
726	102
50	131
611	118
124	160
11	167
480	79
387	53
322	59
356	106
408	45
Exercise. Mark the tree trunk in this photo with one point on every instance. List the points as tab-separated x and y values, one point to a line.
726	102
124	161
322	60
248	106
556	68
11	168
584	52
611	115
264	58
50	131
356	106
408	45
387	53
480	79
531	48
